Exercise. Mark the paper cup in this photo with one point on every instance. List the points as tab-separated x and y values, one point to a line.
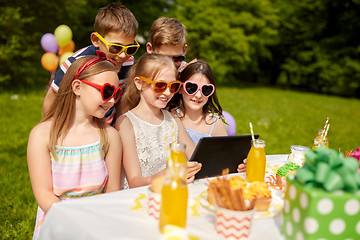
232	224
154	204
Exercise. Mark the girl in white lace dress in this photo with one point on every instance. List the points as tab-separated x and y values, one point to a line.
146	129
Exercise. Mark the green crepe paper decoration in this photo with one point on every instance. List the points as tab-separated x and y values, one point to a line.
304	175
333	182
329	169
310	157
322	171
352	164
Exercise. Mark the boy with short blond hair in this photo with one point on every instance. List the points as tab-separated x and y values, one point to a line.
168	37
114	34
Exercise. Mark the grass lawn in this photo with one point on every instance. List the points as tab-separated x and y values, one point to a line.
282	118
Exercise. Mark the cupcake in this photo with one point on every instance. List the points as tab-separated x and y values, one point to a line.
287	168
157	183
154	197
261	191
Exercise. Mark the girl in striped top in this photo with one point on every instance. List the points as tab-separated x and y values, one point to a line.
72	152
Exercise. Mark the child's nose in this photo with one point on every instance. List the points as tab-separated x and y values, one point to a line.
112	100
198	93
167	91
122	55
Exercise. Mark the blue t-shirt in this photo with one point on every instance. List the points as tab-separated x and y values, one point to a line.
90	50
196	136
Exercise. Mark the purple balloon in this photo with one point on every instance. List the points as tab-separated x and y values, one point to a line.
49	43
231	124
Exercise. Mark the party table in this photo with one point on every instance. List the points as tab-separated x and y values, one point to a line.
123	215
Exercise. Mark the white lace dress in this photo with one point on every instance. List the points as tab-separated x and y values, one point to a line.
152	143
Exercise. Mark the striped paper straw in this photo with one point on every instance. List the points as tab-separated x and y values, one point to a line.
252	132
323	132
326	132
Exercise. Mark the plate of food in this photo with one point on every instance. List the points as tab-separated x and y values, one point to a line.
268	201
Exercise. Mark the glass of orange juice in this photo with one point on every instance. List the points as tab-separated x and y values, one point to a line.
174	193
256	162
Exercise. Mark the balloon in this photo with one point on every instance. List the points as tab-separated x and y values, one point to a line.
70	47
49	61
63	35
64	57
231	124
49	43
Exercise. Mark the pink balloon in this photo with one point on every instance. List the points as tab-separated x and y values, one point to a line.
231	124
49	43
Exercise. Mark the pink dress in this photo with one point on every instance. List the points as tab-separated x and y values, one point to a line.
76	172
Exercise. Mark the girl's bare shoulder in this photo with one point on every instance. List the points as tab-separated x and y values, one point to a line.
40	134
42	128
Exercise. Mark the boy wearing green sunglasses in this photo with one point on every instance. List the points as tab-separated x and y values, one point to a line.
168	37
114	34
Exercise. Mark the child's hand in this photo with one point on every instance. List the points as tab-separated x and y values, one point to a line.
242	166
193	167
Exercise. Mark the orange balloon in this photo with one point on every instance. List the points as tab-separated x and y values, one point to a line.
49	61
70	47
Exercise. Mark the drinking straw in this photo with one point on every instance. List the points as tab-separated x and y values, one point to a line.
326	132
252	132
326	123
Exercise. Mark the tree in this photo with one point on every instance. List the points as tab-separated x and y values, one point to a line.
231	35
319	47
22	25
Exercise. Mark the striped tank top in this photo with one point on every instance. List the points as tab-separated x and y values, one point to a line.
76	172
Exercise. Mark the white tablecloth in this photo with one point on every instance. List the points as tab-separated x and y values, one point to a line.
123	215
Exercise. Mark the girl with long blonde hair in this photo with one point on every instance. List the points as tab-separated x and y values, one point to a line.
146	127
72	152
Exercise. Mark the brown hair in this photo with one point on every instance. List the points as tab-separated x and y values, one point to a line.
213	104
166	30
149	66
115	18
63	108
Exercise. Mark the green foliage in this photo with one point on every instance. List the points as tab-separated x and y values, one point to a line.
22	26
319	44
231	35
309	44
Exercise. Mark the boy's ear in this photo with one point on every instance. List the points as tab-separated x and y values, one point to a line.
185	49
149	48
138	83
94	39
75	85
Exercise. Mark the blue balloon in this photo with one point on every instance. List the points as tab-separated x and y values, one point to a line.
49	43
231	124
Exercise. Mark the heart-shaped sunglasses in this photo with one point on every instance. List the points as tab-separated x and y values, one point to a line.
161	86
191	88
107	90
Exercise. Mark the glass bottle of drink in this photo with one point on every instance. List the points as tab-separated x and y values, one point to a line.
256	162
318	142
319	132
174	194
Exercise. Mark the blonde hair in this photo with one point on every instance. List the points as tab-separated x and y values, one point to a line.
63	108
149	66
166	30
115	18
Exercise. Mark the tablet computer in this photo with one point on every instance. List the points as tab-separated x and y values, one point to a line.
218	153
